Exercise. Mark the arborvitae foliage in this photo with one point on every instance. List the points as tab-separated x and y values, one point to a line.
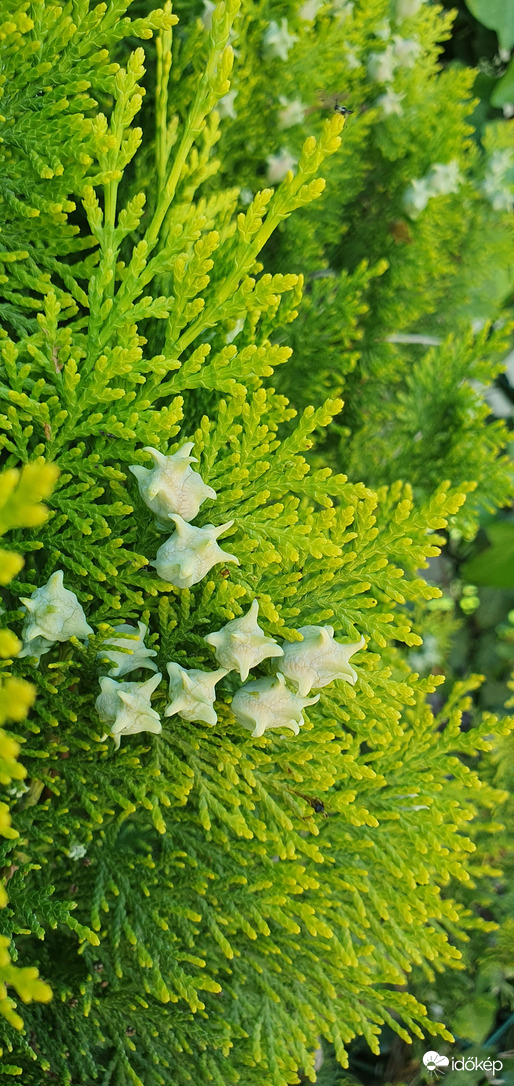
479	1000
204	904
408	253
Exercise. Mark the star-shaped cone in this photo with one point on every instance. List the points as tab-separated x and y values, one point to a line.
416	197
241	644
391	103
444	178
318	660
36	646
406	51
54	613
406	9
186	557
279	165
278	40
126	707
136	653
172	486
309	10
268	703
381	66
193	693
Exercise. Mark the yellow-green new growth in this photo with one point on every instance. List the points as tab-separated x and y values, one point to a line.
21	494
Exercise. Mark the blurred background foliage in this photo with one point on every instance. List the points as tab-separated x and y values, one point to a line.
472	631
483	38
